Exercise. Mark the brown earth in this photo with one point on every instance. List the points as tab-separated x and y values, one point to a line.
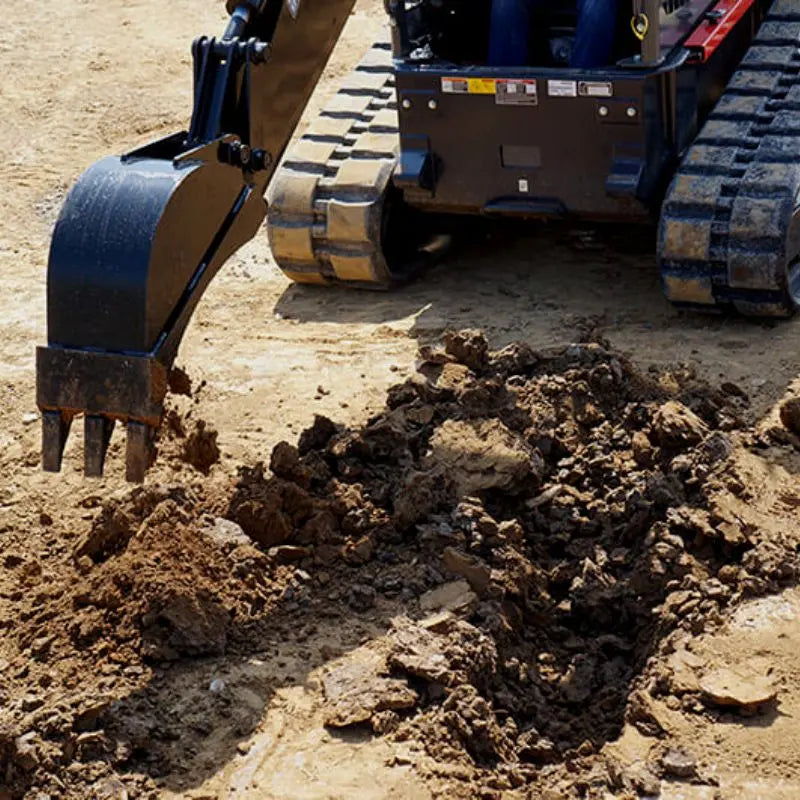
541	570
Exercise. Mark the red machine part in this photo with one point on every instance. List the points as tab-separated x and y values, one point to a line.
719	21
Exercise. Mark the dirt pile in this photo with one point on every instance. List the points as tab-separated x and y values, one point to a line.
548	522
153	581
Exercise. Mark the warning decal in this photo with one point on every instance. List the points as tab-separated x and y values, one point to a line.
516	92
469	85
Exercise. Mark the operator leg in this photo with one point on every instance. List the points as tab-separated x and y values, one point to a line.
594	38
508	33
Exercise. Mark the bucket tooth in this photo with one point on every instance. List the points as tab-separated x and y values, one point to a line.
97	435
55	430
139	453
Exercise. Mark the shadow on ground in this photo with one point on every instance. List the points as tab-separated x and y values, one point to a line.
558	283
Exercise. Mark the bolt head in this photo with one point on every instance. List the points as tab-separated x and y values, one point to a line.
433	105
406	103
603	111
631	111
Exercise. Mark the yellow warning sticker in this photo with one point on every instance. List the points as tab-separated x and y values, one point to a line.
469	85
482	85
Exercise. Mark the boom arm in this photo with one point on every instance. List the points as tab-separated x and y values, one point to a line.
141	236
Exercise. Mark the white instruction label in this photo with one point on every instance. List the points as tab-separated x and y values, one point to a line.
595	89
562	88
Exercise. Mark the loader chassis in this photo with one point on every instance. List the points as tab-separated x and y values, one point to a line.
539	142
695	122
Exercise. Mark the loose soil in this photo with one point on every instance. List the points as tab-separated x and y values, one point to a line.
518	530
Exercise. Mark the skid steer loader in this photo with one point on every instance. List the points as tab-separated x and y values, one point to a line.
693	121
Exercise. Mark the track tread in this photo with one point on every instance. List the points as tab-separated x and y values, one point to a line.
724	237
326	201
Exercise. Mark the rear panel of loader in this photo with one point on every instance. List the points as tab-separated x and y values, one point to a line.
541	142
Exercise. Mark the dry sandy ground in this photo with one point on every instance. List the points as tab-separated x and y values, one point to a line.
83	79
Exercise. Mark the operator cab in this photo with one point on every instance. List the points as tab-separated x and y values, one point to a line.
542	33
446	30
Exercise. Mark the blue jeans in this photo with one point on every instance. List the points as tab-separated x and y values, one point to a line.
510	28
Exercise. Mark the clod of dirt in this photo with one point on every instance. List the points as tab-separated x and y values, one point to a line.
187	624
479	455
676	426
455	596
200	449
473	569
678	763
359	688
468	347
462	654
317	436
285	463
271	511
739	688
790	415
179	382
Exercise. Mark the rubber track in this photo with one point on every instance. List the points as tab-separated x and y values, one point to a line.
729	223
326	200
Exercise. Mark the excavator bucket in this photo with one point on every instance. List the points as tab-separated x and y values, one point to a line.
141	236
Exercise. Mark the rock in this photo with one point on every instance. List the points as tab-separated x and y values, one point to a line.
677	427
420	493
227	535
26	753
91	745
41	646
361	597
714	449
110	789
289	553
740	688
790	415
644	714
357	688
422	415
533	747
455	596
474	570
30	702
359	552
441	622
547	496
217	686
643	452
90	713
639	777
677	763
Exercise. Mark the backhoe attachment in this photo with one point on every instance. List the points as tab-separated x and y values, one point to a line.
141	236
